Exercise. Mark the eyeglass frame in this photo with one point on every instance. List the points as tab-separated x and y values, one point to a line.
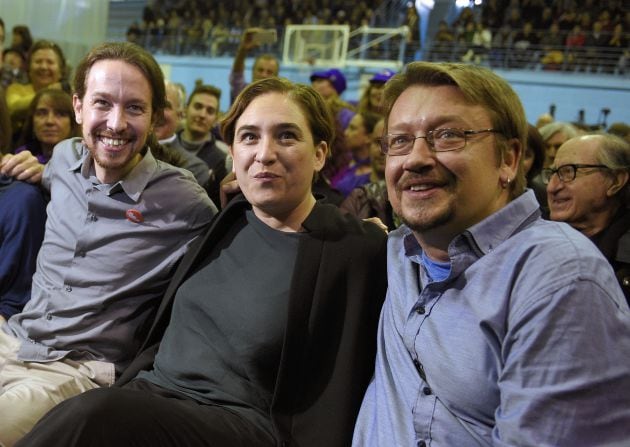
547	173
429	138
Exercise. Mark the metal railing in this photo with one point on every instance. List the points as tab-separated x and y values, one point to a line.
601	60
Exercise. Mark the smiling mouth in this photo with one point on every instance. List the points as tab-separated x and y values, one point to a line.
265	175
423	187
113	142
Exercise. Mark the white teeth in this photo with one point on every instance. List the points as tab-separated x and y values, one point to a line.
113	142
420	187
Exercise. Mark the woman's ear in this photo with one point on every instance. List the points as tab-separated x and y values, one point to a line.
321	151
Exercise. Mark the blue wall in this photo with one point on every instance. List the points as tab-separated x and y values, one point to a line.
570	92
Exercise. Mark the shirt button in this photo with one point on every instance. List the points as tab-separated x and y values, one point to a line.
422	444
68	289
420	310
426	391
48	317
81	254
626	281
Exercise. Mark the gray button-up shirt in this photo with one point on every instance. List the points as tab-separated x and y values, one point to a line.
525	343
108	254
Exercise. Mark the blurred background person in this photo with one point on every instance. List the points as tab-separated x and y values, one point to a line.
50	119
265	65
372	97
370	200
331	84
13	67
533	159
622	130
587	187
166	131
555	134
21	38
358	139
46	68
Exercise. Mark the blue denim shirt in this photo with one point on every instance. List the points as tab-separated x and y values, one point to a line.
526	342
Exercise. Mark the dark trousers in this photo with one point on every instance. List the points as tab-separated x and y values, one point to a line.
142	414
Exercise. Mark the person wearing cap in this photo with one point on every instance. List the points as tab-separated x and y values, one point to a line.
373	95
331	84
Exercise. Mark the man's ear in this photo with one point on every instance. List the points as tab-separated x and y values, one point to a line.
620	179
77	105
510	160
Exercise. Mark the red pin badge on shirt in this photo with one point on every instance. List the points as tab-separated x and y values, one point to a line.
134	216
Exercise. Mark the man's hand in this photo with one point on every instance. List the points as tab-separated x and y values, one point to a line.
23	166
378	222
247	39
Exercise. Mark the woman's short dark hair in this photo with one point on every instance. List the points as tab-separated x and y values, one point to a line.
317	115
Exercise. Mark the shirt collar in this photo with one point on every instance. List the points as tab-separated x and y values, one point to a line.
168	140
486	235
134	182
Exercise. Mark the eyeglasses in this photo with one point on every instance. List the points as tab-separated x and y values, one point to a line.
439	140
566	173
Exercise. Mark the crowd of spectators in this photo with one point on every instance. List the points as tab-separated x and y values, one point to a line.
215	28
574	35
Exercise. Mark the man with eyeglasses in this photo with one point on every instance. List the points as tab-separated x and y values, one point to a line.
588	188
499	328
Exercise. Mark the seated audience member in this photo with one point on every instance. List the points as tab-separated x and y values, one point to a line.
533	159
196	137
22	219
21	38
358	139
588	188
501	48
46	68
372	97
265	65
499	327
118	223
544	119
277	307
622	130
50	119
555	134
552	48
13	67
370	200
331	84
443	43
166	132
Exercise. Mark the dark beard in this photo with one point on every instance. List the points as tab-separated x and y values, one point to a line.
428	225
